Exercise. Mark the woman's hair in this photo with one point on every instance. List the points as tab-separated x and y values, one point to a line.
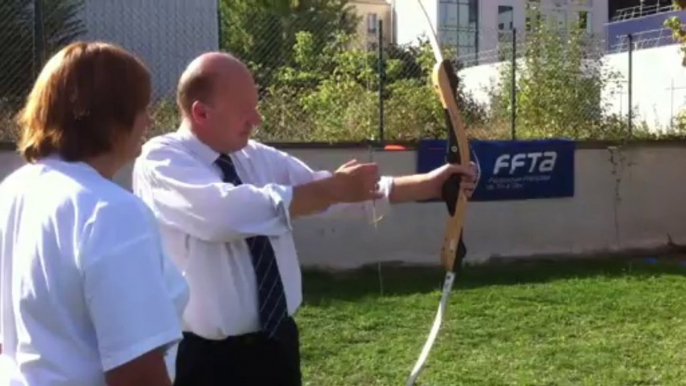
86	96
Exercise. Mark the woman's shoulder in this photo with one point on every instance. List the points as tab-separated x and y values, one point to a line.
113	216
116	224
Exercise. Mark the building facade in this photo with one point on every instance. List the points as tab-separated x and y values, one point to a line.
644	22
476	28
371	12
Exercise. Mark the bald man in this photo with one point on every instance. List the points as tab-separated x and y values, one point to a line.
225	205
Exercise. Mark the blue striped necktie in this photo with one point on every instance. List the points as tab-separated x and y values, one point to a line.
270	292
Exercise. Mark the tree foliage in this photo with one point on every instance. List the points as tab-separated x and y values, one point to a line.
332	94
263	32
559	86
675	24
319	81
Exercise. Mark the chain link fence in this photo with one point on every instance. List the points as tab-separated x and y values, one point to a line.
653	94
328	78
541	83
328	75
16	59
28	29
544	82
165	34
317	78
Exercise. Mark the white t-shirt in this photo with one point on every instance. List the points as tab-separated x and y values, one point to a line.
84	283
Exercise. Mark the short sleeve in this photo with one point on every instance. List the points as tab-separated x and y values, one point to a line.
126	293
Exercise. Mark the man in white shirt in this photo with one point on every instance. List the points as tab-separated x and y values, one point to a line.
225	204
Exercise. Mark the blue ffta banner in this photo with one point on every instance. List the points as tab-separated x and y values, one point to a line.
512	170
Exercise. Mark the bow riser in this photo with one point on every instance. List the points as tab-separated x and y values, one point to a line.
444	81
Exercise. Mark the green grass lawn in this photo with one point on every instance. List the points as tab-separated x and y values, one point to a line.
611	322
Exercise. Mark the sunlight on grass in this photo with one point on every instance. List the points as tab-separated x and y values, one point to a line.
591	323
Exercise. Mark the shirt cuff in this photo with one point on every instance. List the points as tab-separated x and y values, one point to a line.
377	209
281	197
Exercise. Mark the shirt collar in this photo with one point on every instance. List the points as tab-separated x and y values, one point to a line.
196	146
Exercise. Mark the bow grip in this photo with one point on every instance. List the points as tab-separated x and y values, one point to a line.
450	191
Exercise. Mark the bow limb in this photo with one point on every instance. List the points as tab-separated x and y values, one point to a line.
444	81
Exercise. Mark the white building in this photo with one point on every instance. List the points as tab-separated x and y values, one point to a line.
474	27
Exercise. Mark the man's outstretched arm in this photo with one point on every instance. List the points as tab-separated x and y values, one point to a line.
427	186
352	182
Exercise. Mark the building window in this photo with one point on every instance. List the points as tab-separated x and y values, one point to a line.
505	17
372	23
467	14
559	19
584	20
458	26
505	31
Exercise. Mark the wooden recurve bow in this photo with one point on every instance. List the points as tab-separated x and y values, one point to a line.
444	80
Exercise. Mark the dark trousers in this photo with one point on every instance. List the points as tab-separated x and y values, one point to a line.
250	359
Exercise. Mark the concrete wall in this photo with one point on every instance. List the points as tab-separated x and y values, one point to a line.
625	199
659	85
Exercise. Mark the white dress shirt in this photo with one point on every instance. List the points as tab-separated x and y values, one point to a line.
84	284
204	222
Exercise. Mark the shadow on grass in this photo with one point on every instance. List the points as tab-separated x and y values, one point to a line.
398	280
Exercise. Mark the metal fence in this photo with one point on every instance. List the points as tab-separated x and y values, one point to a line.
318	75
544	83
27	30
327	78
165	34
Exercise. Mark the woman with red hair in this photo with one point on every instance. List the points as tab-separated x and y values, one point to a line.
87	295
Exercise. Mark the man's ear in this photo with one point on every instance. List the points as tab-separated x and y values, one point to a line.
199	112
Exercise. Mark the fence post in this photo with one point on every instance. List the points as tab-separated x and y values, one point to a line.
38	42
513	93
381	83
219	24
631	81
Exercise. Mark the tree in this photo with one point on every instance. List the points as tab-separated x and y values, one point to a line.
560	82
263	32
319	83
331	94
675	24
